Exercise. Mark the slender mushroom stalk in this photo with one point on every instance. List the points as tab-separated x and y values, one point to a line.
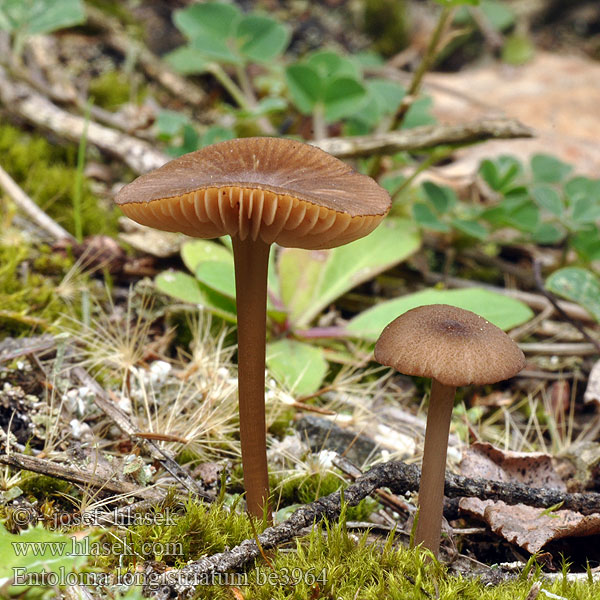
259	191
433	470
453	347
251	260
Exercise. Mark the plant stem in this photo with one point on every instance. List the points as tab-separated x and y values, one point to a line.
232	88
78	186
251	267
319	125
424	66
417	80
431	489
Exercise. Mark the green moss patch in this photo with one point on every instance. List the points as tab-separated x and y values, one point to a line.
47	172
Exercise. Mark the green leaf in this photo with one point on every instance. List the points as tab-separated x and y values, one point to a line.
472	228
211	19
215	134
547	198
264	106
497	13
210	27
548	233
517	49
500	173
392	182
30	17
579	285
587	243
170	123
443	198
198	251
586	210
388	94
186	288
419	113
261	38
311	280
548	169
36	550
300	367
187	60
218	276
330	64
425	217
342	97
305	87
458	2
180	285
581	187
521	213
502	311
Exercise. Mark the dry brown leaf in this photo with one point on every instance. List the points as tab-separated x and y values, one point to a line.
531	468
555	94
530	528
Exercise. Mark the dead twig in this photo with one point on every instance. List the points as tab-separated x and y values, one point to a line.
395	475
560	349
423	138
75	475
22	100
31	209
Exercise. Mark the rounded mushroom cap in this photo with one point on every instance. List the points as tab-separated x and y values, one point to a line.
275	189
453	345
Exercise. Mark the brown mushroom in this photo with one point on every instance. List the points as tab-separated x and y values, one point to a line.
258	191
454	347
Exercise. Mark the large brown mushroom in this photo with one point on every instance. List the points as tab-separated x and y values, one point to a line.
258	191
454	347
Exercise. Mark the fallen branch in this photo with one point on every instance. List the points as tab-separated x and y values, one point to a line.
22	100
395	475
75	475
29	207
423	138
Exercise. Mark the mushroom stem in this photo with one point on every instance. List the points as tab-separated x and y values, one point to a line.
251	266
431	489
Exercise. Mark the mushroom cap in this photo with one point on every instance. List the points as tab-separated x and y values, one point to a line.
450	344
275	189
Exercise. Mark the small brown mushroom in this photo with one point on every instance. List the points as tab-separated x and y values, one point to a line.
454	347
258	191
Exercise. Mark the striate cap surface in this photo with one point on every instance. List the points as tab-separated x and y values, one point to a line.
275	189
455	346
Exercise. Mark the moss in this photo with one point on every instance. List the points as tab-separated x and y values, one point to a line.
281	425
200	529
331	563
29	300
111	89
385	21
304	489
46	172
42	487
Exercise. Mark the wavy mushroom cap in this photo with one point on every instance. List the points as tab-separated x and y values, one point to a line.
455	346
275	189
